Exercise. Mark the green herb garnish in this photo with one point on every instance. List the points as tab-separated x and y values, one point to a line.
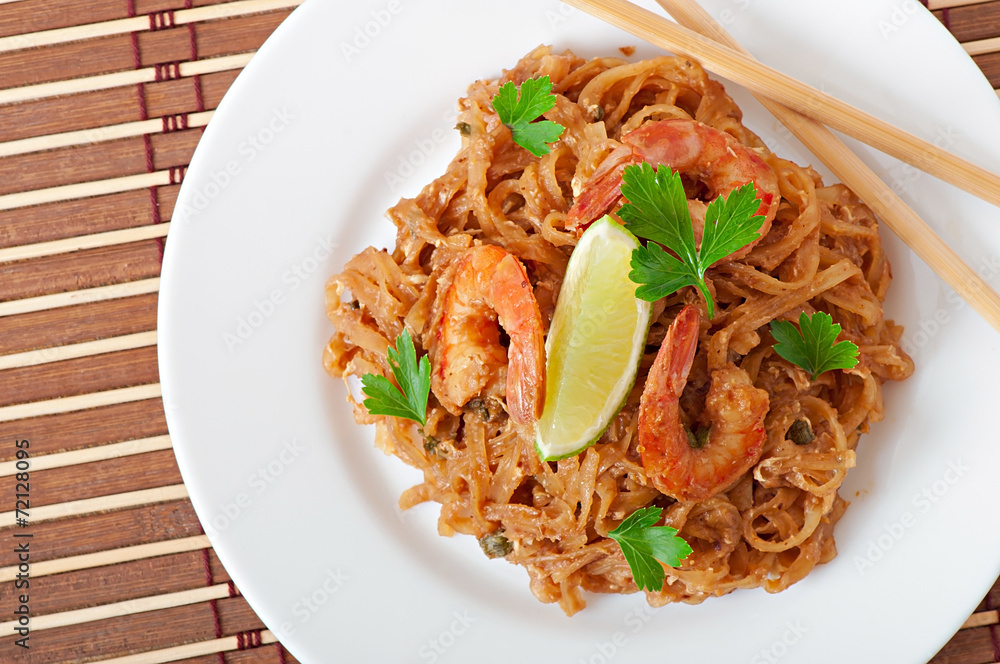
518	107
646	546
657	210
812	346
409	400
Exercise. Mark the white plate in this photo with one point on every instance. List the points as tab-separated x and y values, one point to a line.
349	106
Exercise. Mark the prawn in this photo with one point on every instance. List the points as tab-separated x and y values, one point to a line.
488	283
702	153
683	465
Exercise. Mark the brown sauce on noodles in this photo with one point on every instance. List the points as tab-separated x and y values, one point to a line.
822	252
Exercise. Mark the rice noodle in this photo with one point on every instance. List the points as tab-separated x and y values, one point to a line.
822	253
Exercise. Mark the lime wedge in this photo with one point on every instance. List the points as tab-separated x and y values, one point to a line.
597	337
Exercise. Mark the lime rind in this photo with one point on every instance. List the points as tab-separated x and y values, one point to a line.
594	345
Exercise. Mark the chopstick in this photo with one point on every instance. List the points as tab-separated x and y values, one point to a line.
761	79
853	172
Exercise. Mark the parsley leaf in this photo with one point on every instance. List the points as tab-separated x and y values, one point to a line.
657	210
645	546
812	346
409	400
518	108
731	223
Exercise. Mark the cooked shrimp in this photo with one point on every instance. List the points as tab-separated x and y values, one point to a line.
484	284
712	157
734	409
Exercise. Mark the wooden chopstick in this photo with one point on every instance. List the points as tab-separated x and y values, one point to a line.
847	166
763	80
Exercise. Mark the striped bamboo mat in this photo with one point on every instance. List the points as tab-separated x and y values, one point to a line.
101	105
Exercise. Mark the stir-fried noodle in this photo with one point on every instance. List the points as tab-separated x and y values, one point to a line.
821	253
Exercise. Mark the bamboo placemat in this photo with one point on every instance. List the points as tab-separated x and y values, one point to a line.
101	105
